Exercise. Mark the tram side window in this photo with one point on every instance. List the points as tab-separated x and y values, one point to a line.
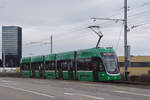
84	64
37	66
66	65
25	66
50	66
34	66
41	67
70	65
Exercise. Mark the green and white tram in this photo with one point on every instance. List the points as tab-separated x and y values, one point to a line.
95	64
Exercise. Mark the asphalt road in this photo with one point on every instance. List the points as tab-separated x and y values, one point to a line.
40	89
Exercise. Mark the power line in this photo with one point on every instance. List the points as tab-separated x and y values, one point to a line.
81	35
138	25
45	42
112	16
119	37
140	6
38	42
145	4
139	13
140	21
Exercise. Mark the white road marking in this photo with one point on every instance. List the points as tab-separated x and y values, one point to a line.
9	82
132	93
33	92
84	95
6	81
70	89
88	84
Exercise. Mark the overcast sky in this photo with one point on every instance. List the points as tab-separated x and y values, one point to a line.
67	21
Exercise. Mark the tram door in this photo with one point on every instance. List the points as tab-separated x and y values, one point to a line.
95	70
40	70
70	70
33	70
60	70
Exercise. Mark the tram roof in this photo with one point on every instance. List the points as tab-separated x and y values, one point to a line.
85	53
88	53
50	57
105	50
25	60
65	56
37	59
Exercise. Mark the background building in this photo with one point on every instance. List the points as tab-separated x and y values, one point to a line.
136	61
11	45
139	65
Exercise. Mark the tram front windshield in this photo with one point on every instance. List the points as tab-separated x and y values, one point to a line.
110	61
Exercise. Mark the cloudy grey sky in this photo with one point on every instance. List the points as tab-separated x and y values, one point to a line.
67	21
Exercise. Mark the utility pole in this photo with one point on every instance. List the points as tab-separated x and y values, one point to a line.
51	50
125	41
